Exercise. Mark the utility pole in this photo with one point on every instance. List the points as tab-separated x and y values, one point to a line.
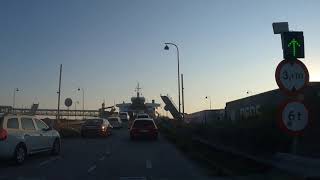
59	95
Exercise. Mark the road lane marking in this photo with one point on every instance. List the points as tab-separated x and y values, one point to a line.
32	178
148	164
102	158
48	161
133	178
92	168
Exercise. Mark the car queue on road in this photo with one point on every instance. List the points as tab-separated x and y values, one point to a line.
24	135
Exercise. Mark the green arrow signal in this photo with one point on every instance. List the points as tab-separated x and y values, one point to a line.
294	43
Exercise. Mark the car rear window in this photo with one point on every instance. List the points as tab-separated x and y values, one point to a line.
94	121
143	116
113	119
143	124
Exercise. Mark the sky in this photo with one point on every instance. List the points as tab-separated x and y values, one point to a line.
227	47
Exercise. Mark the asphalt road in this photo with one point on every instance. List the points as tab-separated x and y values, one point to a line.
115	157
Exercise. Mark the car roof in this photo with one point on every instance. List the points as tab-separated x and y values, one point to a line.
113	117
144	119
142	115
18	115
94	119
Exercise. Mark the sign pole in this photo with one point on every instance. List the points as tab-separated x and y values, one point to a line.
294	147
68	117
292	77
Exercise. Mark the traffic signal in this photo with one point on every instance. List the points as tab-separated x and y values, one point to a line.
293	45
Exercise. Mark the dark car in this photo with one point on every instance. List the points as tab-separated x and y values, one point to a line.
144	128
96	127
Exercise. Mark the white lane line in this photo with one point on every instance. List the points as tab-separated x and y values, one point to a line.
48	161
92	168
133	178
102	158
148	164
32	178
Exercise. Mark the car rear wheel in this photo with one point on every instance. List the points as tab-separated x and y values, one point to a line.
20	154
56	147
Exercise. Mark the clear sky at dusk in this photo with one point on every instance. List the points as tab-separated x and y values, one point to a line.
226	48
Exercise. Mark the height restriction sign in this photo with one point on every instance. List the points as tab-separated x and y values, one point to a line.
292	76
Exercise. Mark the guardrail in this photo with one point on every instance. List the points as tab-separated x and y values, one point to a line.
306	168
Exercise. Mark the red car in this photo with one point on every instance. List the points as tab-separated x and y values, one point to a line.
144	128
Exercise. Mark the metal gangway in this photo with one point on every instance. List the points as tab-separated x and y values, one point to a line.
171	107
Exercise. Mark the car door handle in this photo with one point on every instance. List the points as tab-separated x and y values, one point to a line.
26	135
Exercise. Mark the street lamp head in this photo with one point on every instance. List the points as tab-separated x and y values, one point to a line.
166	47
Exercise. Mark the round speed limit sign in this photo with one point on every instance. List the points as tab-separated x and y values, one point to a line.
294	117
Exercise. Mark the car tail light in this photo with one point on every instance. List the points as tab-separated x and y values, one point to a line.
3	134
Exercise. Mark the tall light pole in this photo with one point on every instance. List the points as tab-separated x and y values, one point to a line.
81	89
167	48
208	97
75	110
14	98
182	89
248	92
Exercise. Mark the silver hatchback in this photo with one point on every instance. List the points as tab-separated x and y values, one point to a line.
22	135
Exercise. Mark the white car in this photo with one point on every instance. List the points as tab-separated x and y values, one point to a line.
124	116
22	135
115	122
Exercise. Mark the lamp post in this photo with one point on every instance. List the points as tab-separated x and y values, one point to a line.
248	92
208	97
75	110
81	89
167	48
14	97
